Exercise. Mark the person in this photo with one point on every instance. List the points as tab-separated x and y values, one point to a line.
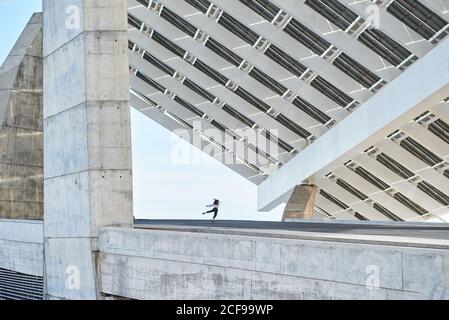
215	206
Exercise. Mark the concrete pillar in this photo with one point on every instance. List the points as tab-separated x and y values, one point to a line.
301	203
21	172
87	140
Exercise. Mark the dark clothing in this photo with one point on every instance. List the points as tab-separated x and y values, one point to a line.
215	211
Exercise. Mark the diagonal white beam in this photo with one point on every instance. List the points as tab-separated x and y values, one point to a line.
423	85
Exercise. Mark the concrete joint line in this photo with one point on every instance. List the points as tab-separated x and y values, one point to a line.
77	36
262	272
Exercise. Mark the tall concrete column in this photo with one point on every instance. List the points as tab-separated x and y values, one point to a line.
87	140
21	172
301	203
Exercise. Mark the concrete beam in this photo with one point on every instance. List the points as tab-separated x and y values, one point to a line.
21	158
423	85
87	143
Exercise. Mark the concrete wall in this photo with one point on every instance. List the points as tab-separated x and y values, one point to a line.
21	159
87	141
152	264
21	246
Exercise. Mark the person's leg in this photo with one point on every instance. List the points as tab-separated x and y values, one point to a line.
215	213
210	211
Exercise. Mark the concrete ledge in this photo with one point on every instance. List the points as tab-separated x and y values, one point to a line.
28	231
21	246
164	264
312	236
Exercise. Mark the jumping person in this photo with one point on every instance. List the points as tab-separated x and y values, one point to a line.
215	206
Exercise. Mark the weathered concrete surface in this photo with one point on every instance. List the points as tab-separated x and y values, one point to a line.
301	203
21	157
87	143
155	264
21	246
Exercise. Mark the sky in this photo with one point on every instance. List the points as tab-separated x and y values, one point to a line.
163	188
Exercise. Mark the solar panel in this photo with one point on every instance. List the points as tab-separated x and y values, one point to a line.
223	52
384	46
420	151
329	90
238	28
307	37
417	17
264	8
267	81
311	110
333	199
201	5
394	166
440	129
333	11
177	21
348	187
285	60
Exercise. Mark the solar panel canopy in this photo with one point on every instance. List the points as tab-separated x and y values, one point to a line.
255	83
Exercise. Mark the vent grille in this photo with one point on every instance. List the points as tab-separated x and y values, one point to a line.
20	286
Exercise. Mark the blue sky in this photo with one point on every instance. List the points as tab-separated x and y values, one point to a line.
162	189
